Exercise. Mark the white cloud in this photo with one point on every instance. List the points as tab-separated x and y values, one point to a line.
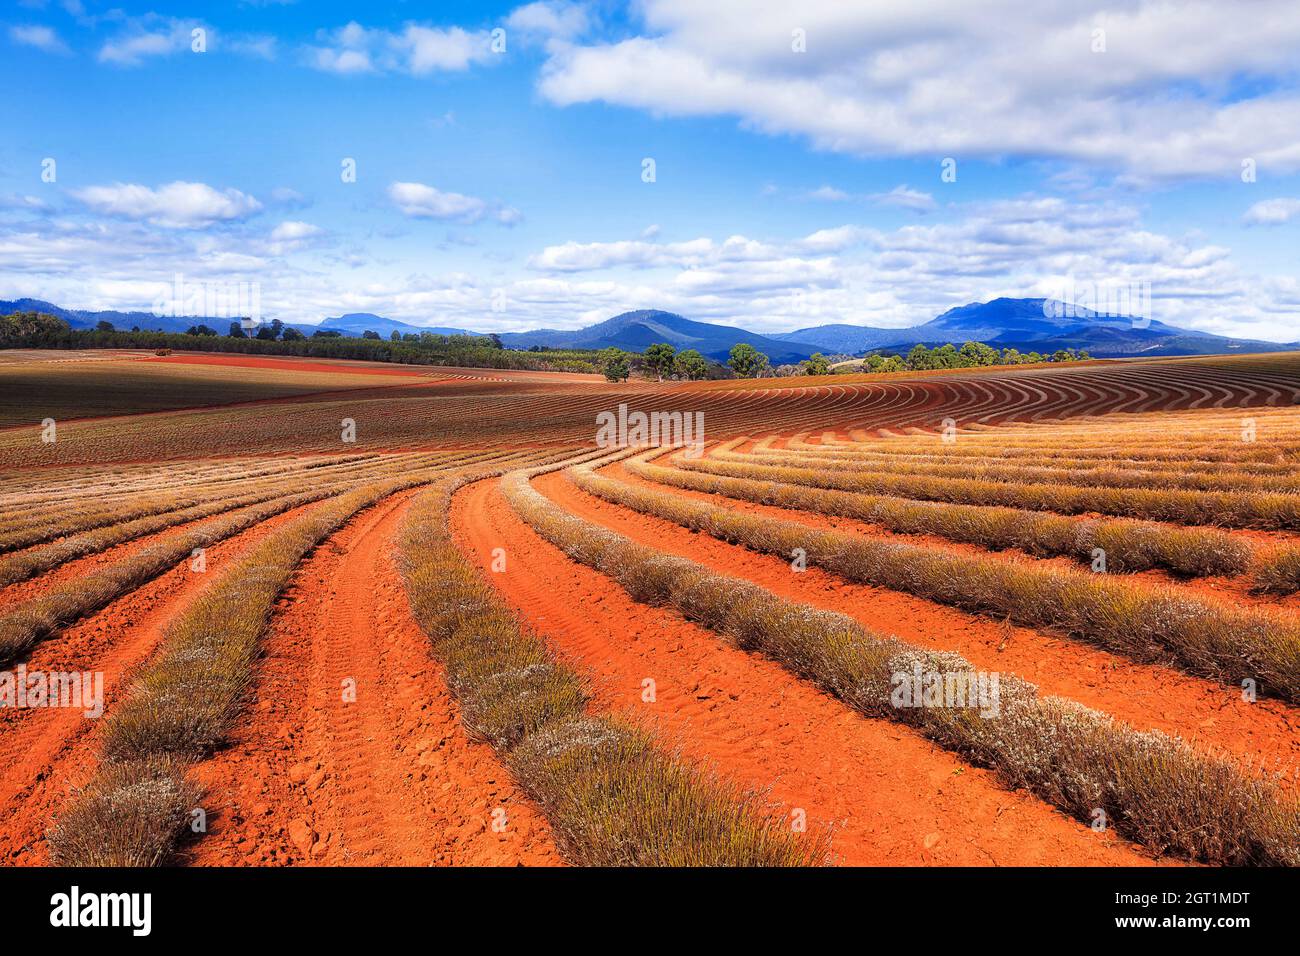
178	205
420	201
417	50
592	256
146	37
549	20
952	78
905	198
40	37
1272	212
291	230
341	61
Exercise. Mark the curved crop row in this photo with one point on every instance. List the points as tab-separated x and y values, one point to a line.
1145	623
183	704
35	619
1231	509
1153	788
1020	474
613	797
1128	545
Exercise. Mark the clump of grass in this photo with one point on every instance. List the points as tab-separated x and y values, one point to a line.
612	795
128	815
1153	788
1278	572
617	799
1129	545
1143	622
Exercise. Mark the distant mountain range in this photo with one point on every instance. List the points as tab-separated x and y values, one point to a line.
1022	324
635	331
1026	325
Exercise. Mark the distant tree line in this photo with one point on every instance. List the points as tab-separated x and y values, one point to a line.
42	331
748	362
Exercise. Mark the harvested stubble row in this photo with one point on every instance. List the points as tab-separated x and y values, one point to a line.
184	703
612	795
884	452
85	516
56	496
1153	788
25	564
1260	510
1144	622
37	618
1020	474
1128	545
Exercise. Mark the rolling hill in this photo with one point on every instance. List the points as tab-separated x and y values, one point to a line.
635	331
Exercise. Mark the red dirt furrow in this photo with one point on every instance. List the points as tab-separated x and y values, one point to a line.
45	754
386	778
1146	696
891	797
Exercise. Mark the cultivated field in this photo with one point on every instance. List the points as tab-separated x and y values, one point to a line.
351	614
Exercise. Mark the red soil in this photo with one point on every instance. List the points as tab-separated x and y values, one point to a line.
388	779
891	797
1146	696
286	364
46	754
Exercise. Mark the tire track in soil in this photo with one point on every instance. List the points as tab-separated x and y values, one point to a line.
46	754
389	779
892	797
1145	696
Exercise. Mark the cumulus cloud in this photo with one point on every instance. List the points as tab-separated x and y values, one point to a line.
415	49
178	205
549	20
420	201
40	37
952	78
293	230
1272	212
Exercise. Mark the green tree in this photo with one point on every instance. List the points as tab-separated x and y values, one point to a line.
367	334
920	358
691	364
659	359
200	329
293	335
946	356
977	353
618	369
893	364
103	325
817	364
747	361
396	336
1061	355
236	331
614	363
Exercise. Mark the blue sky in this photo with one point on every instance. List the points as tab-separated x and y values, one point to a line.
798	153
